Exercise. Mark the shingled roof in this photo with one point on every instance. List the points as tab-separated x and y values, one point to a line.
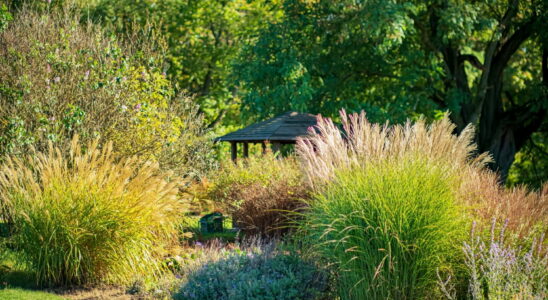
283	128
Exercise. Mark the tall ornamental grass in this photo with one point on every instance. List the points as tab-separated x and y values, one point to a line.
387	213
82	217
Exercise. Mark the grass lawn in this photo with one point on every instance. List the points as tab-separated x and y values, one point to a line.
19	294
19	285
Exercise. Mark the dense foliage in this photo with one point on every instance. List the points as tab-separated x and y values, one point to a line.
396	60
486	62
80	217
203	37
59	78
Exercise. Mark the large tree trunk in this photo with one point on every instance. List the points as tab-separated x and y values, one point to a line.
503	133
503	149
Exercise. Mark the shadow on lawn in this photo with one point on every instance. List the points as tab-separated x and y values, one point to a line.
13	278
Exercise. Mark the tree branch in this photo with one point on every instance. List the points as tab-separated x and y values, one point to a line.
512	44
472	59
438	100
218	119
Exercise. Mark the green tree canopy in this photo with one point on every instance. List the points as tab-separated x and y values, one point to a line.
203	37
483	61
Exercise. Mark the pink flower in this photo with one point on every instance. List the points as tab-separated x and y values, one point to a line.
57	79
86	75
138	106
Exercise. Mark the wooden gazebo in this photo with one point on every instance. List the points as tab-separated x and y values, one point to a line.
283	129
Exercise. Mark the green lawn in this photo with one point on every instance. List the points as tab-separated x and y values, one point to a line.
19	294
17	284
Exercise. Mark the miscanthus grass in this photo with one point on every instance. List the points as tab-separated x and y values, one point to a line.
387	213
82	217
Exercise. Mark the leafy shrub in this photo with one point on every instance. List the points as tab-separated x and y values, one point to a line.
5	17
59	78
387	211
81	217
203	38
497	269
260	192
258	273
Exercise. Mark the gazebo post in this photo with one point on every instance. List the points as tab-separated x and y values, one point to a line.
263	145
234	151
246	150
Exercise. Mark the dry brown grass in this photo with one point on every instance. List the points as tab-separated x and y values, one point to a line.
522	208
261	193
269	210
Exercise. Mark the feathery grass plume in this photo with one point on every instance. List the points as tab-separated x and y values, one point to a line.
82	217
387	212
327	148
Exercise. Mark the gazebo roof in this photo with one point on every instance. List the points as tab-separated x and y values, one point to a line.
283	128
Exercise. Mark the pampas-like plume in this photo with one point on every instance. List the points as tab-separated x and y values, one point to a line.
327	148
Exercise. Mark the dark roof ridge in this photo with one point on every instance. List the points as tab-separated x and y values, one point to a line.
286	127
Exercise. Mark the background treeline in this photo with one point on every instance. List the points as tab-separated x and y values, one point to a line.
485	62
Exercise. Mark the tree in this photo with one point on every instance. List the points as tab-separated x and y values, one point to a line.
484	61
202	39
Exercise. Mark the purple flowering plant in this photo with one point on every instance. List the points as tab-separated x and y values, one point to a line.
500	269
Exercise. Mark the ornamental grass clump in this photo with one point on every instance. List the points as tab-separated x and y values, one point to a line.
387	213
262	193
82	217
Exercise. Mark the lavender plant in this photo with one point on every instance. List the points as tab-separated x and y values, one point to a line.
498	269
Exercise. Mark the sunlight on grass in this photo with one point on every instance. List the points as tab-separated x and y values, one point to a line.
18	294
